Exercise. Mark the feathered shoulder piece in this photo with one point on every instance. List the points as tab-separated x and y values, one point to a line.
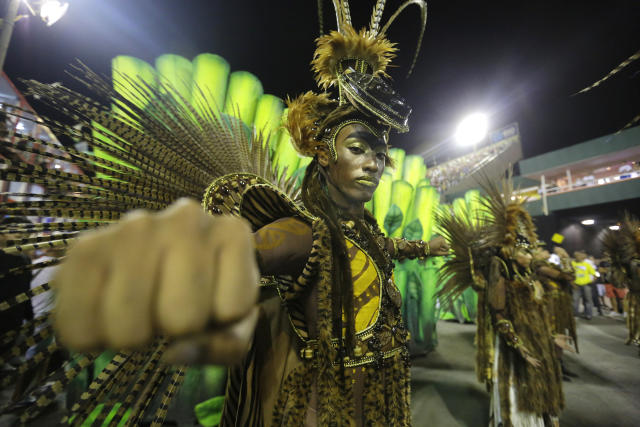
304	116
509	224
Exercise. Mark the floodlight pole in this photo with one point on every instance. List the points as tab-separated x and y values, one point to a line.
7	29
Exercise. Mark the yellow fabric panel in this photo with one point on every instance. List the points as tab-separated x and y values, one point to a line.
366	288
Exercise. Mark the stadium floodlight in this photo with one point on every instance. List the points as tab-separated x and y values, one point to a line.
472	129
588	222
614	227
52	10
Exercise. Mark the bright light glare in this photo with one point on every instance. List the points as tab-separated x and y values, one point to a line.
52	10
472	129
614	227
588	222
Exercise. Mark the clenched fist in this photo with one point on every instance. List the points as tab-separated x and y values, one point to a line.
439	246
180	272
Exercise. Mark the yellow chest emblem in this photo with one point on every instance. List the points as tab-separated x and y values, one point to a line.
366	287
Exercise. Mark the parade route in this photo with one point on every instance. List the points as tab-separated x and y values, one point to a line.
605	392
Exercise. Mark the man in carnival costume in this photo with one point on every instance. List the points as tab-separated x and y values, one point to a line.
516	344
557	281
325	344
622	247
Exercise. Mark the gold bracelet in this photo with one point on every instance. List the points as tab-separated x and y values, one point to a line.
395	248
427	249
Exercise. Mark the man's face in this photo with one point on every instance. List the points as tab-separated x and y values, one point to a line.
361	159
579	256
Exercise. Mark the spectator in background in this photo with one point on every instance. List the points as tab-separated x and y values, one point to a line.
584	277
597	290
560	257
554	258
625	168
614	290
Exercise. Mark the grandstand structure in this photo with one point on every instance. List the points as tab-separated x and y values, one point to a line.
598	179
598	171
452	178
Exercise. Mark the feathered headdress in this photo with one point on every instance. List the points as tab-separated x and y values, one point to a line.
621	246
510	225
361	51
631	232
624	244
355	62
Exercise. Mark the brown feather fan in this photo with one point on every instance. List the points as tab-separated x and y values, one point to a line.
470	251
631	232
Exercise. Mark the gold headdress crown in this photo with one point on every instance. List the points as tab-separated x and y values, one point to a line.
354	62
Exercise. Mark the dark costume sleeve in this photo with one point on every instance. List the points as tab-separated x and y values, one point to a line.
283	247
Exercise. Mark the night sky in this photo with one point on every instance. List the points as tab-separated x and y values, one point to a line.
517	61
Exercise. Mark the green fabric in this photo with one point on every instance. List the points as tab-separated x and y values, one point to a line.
209	412
90	420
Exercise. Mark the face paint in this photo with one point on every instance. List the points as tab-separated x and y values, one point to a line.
331	134
355	174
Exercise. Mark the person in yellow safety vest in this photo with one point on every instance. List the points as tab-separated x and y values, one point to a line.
585	273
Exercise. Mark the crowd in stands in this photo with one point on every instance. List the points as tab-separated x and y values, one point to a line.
604	175
449	174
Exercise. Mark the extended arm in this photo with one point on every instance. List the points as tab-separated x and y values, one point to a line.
401	249
553	272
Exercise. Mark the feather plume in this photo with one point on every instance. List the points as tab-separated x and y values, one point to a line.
376	16
156	154
631	232
611	73
305	113
619	251
507	216
470	252
337	46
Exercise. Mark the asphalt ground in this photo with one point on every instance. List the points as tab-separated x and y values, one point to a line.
604	392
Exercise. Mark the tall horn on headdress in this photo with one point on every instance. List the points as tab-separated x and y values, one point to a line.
376	17
423	20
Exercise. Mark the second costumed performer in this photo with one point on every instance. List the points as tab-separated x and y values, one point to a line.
328	346
516	343
622	248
